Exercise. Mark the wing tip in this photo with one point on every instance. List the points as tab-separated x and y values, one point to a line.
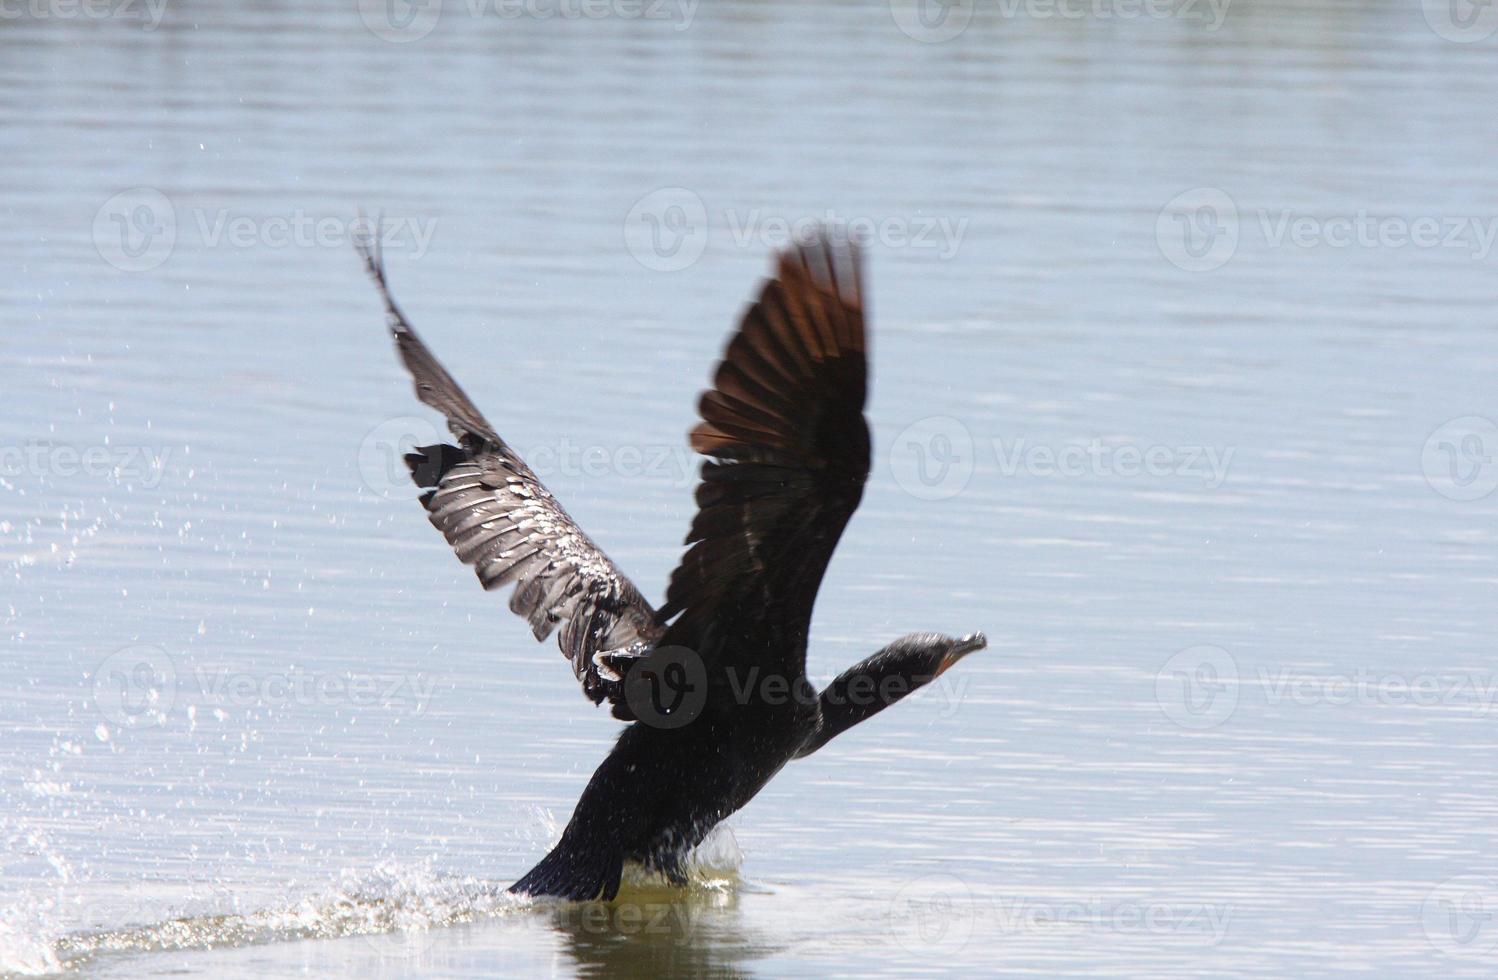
830	254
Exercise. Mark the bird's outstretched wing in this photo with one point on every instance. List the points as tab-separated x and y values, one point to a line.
500	519
788	450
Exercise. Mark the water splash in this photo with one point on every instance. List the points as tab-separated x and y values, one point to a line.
25	955
713	865
27	854
392	900
395	905
717	859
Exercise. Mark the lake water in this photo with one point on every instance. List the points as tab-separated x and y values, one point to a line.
1184	367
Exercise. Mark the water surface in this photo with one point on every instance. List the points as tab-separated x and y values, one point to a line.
1194	470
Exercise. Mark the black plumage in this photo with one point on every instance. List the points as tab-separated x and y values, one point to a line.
714	681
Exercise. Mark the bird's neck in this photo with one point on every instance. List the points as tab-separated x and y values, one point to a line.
857	694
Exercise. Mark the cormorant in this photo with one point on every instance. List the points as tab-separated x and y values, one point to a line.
714	680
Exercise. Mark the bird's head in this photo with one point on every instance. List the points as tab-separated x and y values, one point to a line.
923	657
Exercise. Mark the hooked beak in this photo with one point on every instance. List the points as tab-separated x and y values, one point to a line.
971	643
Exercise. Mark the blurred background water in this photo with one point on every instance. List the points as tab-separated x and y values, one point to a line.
1183	386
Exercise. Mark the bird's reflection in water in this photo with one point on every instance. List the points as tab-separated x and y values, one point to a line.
654	930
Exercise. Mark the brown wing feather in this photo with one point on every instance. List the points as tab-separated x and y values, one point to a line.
788	450
500	519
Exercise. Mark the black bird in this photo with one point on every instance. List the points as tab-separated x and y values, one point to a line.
714	681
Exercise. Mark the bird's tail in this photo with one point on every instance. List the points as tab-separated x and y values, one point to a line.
575	873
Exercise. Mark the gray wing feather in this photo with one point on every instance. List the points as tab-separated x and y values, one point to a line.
500	519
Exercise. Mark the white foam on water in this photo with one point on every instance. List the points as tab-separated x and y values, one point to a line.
391	900
25	955
396	905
